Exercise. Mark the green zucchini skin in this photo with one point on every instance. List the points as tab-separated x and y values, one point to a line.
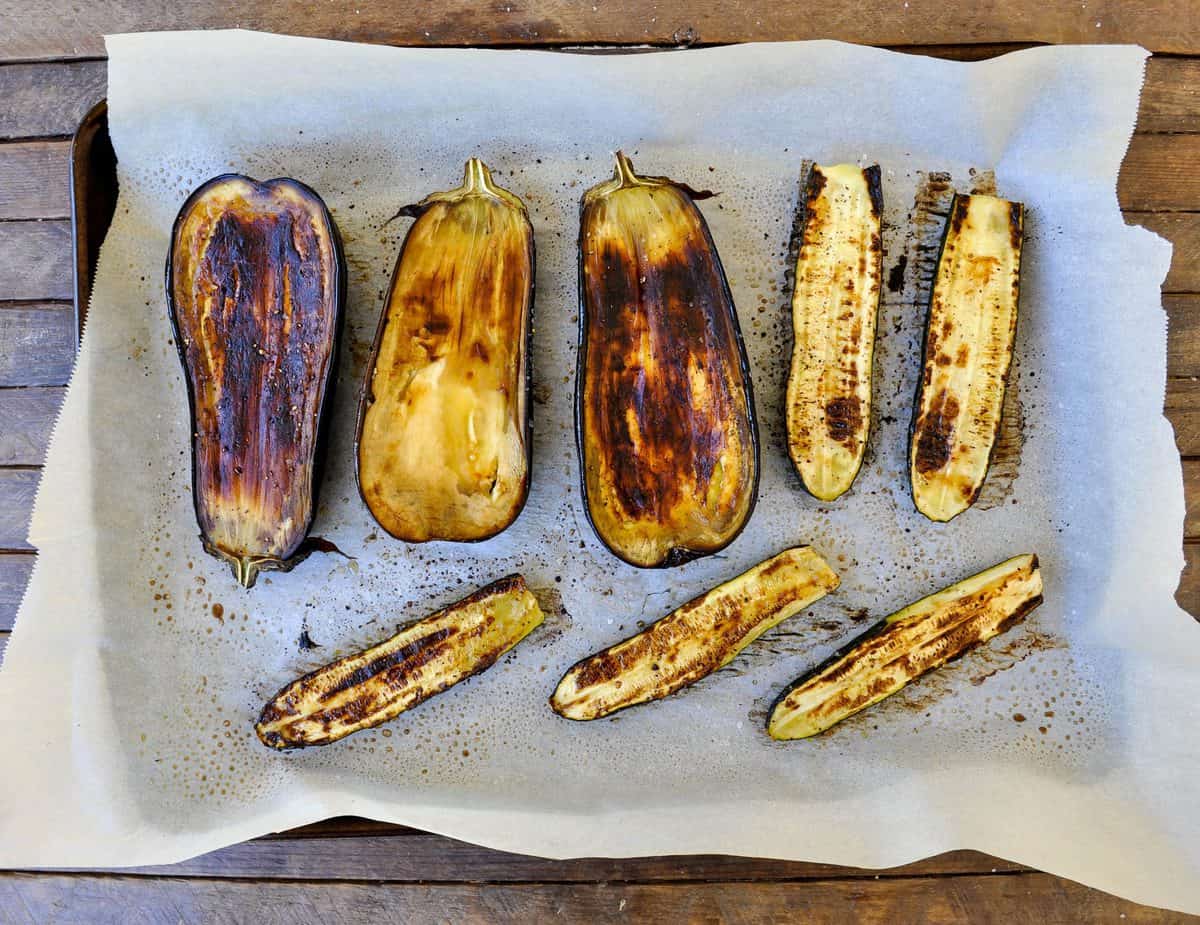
993	601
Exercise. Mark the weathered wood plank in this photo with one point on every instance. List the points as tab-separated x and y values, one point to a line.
26	419
1191	499
17	488
1183	334
1182	229
35	179
1170	96
422	856
49	30
35	261
37	344
48	99
1188	595
15	569
1158	174
983	899
1182	408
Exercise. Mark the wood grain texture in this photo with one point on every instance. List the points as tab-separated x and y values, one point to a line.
35	179
1183	334
1182	408
1157	175
37	343
36	261
1170	96
48	99
932	900
26	418
14	576
17	487
1182	229
421	856
44	30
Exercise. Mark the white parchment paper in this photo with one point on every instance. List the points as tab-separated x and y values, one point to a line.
1069	744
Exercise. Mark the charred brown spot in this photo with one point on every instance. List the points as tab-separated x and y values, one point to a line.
873	177
411	657
958	213
816	183
935	433
843	418
1016	215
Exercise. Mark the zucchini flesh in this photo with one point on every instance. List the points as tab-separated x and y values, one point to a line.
839	277
968	350
904	646
443	433
363	690
696	639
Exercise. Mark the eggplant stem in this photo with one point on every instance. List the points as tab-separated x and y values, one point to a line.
477	178
624	172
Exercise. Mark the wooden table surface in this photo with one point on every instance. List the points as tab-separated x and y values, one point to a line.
52	69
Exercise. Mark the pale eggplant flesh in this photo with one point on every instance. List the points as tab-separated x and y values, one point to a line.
695	639
255	289
839	278
665	423
921	637
368	688
444	433
969	342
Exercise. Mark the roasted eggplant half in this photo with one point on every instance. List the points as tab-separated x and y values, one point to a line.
904	646
696	639
839	277
664	409
444	442
255	290
969	338
427	657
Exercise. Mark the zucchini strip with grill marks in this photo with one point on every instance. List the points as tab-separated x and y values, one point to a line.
969	338
904	646
371	687
839	276
696	639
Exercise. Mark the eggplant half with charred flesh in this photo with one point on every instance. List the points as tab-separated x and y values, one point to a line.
969	339
696	639
255	289
425	658
664	409
921	637
839	277
444	442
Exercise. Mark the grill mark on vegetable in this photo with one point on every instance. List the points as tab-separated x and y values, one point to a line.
412	656
935	433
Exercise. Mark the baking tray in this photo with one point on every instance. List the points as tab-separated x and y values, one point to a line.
93	200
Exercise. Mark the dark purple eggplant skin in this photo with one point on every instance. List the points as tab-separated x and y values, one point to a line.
679	555
248	236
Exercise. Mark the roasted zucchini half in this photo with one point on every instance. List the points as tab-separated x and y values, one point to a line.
255	290
839	278
425	658
696	639
444	437
904	646
969	338
664	412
